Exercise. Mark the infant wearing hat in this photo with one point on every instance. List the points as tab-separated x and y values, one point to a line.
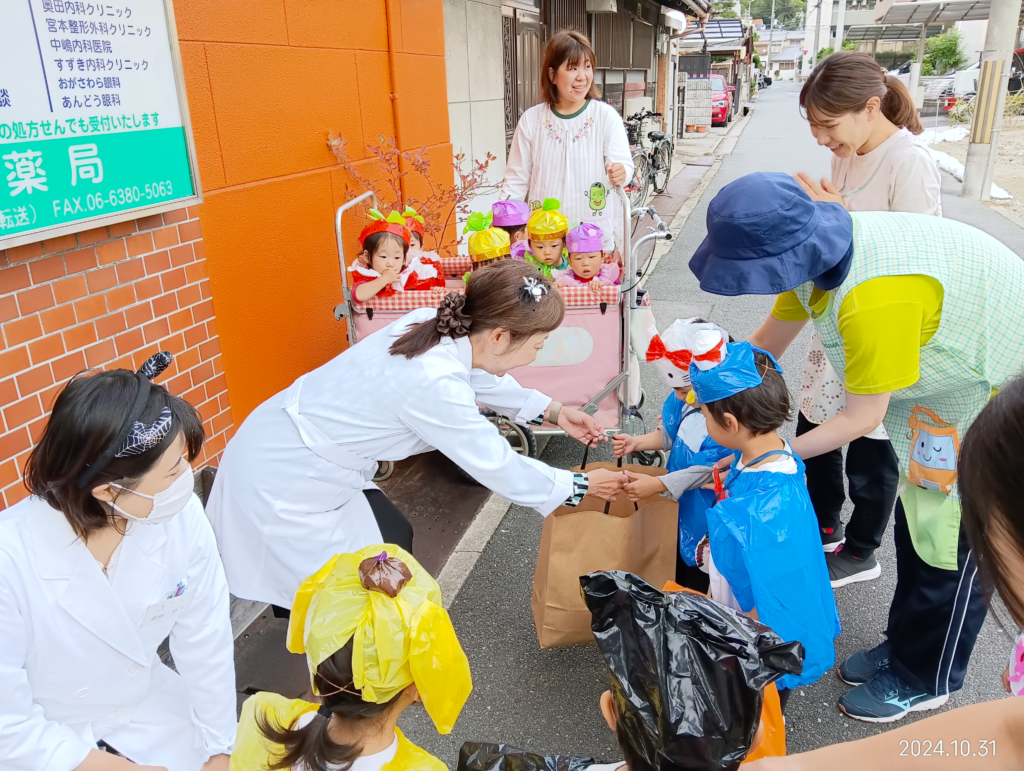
512	216
547	228
487	244
586	260
422	270
383	247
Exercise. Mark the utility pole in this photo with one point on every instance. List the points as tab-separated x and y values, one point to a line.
991	99
840	21
771	39
817	32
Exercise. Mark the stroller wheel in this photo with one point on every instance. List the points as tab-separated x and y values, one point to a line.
385	468
656	458
642	399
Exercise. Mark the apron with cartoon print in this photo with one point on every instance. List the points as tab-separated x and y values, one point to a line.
975	349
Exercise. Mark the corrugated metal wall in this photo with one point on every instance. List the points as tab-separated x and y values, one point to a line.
613	34
568	14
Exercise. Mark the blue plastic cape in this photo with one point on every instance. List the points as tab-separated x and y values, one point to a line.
693	505
738	372
765	542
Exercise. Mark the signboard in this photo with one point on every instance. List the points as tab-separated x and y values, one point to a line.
94	122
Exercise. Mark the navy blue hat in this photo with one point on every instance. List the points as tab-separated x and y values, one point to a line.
737	372
766	236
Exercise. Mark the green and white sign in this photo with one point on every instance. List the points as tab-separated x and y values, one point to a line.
93	117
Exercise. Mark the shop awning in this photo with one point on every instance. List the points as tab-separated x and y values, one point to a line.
693	8
941	12
869	32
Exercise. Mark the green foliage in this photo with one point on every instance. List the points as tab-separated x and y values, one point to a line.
848	45
927	68
757	61
723	9
945	52
788	13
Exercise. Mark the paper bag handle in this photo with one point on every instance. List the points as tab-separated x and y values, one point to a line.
583	467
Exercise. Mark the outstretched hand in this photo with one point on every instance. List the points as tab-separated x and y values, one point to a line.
605	483
580	426
642	486
826	191
723	471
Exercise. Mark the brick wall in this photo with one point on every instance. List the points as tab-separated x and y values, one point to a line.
106	298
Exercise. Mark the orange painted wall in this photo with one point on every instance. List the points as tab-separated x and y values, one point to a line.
266	81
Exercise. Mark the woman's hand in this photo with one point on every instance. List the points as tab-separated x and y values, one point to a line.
217	763
623	445
580	426
826	191
605	483
642	486
616	173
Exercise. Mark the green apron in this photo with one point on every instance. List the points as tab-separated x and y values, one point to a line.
978	345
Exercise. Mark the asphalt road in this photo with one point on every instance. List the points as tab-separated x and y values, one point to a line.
547	701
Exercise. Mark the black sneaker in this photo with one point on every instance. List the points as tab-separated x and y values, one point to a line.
886	699
832	537
844	569
865	665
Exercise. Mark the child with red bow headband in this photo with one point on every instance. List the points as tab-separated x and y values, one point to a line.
684	435
422	269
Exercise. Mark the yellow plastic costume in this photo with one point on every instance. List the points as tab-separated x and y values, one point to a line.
485	242
397	641
547	223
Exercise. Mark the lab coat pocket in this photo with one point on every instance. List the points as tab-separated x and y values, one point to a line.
326	487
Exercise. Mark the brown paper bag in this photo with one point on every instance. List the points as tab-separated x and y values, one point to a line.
579	540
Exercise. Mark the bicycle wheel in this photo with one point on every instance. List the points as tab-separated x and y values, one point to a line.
662	167
636	188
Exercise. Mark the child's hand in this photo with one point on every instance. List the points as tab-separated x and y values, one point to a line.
623	445
1006	680
439	291
723	471
391	275
641	486
595	286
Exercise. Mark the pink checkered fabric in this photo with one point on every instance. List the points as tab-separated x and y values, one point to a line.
457	266
574	296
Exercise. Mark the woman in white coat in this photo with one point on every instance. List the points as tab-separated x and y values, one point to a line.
294	485
109	556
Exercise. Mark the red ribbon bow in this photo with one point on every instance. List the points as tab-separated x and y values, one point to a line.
720	494
656	350
715	354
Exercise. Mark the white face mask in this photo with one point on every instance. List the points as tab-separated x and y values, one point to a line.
165	504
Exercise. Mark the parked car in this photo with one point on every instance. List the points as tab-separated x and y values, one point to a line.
722	101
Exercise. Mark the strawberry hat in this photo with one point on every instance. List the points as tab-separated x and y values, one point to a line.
393	223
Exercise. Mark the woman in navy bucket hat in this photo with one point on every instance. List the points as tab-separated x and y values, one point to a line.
913	312
765	236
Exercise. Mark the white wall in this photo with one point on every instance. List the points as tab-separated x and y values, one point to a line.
824	40
973	35
473	64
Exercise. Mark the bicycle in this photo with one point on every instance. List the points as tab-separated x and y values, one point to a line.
650	166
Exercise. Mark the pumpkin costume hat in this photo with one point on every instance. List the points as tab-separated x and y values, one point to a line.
485	242
547	223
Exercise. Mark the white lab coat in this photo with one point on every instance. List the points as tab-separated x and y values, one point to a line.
79	663
287	496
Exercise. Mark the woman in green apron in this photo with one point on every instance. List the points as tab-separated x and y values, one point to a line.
921	318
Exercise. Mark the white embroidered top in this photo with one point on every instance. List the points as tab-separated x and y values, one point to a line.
563	157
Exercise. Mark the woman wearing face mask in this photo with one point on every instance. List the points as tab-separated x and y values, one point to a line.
571	145
110	556
867	120
294	485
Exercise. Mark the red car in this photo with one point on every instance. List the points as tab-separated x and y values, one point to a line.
721	101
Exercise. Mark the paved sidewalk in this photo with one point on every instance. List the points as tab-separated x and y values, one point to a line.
546	701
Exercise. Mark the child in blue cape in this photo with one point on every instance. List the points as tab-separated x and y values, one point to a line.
765	554
684	435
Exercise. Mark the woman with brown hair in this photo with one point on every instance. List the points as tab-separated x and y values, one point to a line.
294	485
867	120
571	145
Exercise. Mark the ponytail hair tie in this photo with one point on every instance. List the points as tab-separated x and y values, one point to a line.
452	320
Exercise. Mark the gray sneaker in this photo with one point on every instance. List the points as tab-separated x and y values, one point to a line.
864	666
844	569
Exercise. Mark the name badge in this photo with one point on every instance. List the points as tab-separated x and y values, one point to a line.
168	610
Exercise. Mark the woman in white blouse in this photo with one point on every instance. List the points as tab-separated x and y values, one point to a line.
571	146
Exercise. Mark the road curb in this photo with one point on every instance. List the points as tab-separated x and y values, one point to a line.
472	544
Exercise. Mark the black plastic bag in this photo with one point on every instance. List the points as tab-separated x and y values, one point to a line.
687	672
479	756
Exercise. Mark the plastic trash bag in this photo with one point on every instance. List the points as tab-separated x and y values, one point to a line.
687	672
480	756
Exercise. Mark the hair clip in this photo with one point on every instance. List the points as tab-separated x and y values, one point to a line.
142	437
156	364
534	289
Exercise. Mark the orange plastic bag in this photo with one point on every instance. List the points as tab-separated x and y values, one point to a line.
773	743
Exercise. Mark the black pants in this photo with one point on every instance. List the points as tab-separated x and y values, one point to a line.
873	473
935	615
394	528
